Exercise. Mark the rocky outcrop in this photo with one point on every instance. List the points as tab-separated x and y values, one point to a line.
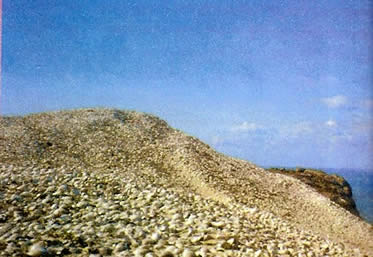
333	186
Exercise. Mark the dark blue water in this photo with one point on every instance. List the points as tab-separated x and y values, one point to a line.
361	182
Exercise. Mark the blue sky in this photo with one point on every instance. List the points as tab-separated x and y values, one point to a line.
275	82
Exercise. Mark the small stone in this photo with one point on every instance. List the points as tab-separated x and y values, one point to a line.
123	246
176	216
167	254
187	253
202	252
140	251
196	238
217	224
94	255
155	236
36	249
3	218
257	253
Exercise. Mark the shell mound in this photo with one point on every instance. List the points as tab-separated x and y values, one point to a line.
122	183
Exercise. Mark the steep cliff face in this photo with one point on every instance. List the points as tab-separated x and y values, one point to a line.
334	187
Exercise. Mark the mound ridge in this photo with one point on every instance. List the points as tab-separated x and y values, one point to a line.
93	157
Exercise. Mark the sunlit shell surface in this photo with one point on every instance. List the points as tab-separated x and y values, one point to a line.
116	183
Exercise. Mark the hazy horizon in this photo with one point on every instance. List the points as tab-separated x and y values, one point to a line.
276	83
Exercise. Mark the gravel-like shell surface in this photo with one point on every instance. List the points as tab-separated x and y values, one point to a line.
103	182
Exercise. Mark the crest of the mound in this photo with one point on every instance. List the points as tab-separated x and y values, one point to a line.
144	145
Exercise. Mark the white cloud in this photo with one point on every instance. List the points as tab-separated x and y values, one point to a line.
245	126
335	101
330	123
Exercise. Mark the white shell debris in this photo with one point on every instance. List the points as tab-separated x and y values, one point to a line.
83	183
